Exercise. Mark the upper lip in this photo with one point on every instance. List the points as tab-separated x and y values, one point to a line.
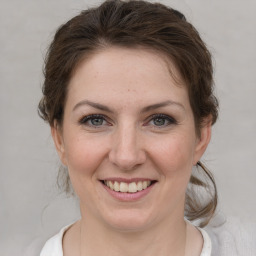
130	180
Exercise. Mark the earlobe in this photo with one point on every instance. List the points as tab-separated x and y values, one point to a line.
203	141
58	142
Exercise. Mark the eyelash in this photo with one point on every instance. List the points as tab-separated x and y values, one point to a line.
170	120
86	119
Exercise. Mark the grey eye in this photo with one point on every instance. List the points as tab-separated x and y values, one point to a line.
97	121
159	121
93	120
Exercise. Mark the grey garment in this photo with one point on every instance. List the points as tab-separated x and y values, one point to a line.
232	237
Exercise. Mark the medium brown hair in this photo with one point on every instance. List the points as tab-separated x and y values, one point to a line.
136	24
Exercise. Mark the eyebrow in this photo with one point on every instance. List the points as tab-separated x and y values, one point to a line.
94	105
162	104
145	109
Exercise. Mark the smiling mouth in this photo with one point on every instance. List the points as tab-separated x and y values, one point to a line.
124	187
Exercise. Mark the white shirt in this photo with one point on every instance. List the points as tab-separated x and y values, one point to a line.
222	237
53	246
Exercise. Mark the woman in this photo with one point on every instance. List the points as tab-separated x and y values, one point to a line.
128	94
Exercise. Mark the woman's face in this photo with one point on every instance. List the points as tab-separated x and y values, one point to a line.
129	126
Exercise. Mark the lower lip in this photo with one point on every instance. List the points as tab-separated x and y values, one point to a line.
127	197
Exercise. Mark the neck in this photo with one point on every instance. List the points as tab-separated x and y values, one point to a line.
165	239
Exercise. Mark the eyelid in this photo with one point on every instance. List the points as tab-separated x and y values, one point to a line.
164	116
87	118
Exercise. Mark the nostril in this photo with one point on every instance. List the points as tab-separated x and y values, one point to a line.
127	153
128	161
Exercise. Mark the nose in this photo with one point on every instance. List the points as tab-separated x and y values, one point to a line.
127	151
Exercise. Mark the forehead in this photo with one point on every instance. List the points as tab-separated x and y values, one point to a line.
138	73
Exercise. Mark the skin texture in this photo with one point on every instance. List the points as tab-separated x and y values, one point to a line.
130	142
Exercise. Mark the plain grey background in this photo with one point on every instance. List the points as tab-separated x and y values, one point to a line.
32	209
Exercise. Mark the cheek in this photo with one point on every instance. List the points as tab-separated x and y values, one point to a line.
84	155
174	156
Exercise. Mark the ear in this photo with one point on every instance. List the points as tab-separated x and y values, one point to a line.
204	139
58	141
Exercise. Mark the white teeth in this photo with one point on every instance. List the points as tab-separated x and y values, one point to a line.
116	186
144	184
124	187
132	187
127	187
139	186
111	185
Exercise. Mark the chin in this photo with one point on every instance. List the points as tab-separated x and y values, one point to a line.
129	220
